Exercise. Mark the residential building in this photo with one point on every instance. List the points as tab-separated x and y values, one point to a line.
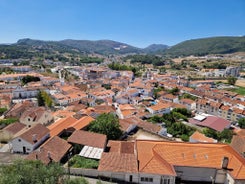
147	161
54	150
199	137
36	115
188	103
29	139
88	144
159	108
238	142
120	162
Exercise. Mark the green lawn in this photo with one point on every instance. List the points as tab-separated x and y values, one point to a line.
8	121
81	162
239	90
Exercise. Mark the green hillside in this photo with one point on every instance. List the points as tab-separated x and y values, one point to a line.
204	46
154	48
29	48
103	47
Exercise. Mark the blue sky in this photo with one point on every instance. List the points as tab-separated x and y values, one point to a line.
136	22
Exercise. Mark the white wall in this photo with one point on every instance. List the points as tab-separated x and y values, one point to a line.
230	180
17	146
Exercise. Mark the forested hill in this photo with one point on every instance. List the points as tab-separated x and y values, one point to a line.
103	47
29	48
205	46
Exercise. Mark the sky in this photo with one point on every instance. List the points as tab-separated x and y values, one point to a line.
135	22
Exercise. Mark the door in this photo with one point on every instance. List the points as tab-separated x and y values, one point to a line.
24	149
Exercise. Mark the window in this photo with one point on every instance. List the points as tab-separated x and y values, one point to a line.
145	179
166	181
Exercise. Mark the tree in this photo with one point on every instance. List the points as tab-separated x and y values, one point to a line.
40	99
29	78
183	111
31	172
3	110
174	91
107	124
155	119
44	99
210	133
241	122
225	135
231	80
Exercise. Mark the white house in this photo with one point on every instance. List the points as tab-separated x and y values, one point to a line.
159	108
188	103
29	139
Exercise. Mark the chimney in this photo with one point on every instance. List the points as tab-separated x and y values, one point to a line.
34	138
225	162
49	156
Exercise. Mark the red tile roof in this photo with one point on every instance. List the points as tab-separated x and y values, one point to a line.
14	127
199	137
57	127
207	155
238	143
88	139
213	122
121	158
38	130
55	147
187	101
121	146
118	162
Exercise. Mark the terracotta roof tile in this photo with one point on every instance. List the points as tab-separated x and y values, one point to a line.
216	123
81	123
191	154
160	106
187	101
88	139
118	162
38	130
199	137
57	127
237	111
14	127
121	157
215	104
238	143
225	107
55	147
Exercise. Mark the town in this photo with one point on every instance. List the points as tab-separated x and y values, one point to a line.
128	122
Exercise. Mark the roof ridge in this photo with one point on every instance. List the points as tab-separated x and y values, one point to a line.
147	163
163	160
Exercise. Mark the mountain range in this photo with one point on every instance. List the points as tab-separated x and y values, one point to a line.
214	45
